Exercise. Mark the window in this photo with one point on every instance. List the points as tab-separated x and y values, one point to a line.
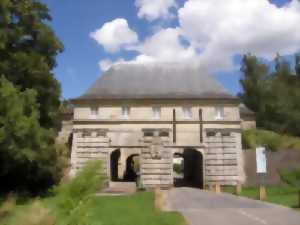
187	112
125	112
219	113
156	112
211	134
94	113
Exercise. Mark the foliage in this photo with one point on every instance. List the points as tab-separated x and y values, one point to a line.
291	176
72	194
177	167
271	140
28	48
27	154
7	206
37	214
272	94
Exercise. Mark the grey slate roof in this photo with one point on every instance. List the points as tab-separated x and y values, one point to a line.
169	81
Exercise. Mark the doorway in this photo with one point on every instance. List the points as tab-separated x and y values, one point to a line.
188	168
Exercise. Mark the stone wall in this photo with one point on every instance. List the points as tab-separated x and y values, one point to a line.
275	161
223	157
221	154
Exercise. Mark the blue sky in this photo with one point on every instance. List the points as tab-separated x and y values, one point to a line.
78	66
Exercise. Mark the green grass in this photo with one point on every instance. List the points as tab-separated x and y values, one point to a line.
114	210
129	210
282	195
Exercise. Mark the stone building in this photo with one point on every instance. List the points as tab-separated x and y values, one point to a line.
138	119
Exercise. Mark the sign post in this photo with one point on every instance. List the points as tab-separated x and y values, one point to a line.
261	170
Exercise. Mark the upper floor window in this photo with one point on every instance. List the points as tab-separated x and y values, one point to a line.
94	113
219	113
156	112
125	112
187	112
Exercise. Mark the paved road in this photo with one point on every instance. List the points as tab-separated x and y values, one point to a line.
203	207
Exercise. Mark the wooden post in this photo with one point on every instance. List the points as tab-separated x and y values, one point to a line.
160	199
238	189
201	125
174	126
218	188
262	193
299	198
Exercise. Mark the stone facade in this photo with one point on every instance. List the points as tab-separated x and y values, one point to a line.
156	140
138	118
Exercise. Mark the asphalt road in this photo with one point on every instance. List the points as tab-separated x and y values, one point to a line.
207	208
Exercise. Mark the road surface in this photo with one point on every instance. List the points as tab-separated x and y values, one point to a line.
207	208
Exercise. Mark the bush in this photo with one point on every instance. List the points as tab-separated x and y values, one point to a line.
37	214
28	160
178	168
71	194
7	206
291	176
271	140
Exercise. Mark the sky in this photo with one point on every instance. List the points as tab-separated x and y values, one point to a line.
209	34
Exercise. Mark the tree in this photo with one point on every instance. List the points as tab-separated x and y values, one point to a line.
273	95
254	82
28	48
28	159
297	65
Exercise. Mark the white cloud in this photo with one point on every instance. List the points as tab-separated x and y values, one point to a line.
105	64
164	46
114	35
154	9
216	30
221	29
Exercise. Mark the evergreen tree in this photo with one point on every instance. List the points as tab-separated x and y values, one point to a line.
274	96
28	48
297	65
28	159
254	82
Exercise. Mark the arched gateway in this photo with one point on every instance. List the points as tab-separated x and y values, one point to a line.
188	168
159	113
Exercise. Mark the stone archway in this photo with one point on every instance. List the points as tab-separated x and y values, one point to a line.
131	170
114	165
191	168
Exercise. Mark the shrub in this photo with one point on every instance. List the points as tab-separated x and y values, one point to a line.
28	157
37	214
7	206
63	159
291	176
71	194
271	140
178	168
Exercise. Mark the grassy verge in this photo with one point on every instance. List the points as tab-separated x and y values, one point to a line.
73	202
282	195
128	210
112	210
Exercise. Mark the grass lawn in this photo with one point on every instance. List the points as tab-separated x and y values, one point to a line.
283	195
130	210
137	209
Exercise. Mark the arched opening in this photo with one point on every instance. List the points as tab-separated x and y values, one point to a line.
114	164
188	168
132	168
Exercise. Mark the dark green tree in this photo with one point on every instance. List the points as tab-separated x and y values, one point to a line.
254	82
28	159
273	95
297	65
28	48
